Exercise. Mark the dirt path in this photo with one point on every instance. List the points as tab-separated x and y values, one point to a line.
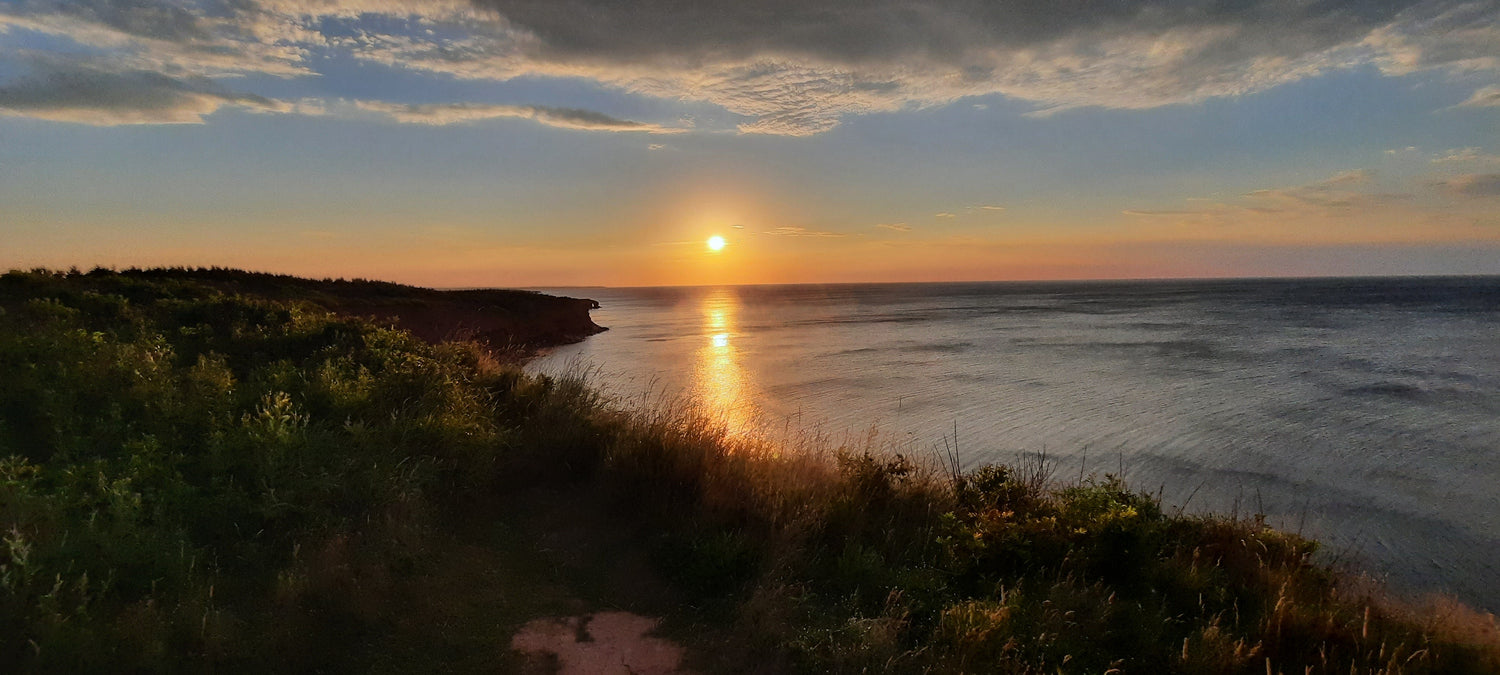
606	643
548	583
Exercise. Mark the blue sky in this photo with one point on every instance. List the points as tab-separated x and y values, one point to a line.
500	142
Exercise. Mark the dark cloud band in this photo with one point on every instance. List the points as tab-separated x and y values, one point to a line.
77	93
794	67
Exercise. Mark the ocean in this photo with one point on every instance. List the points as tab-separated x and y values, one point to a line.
1361	412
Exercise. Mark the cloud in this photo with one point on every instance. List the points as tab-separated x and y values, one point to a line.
84	90
1342	194
991	207
1145	213
1355	177
1335	192
203	37
791	231
441	114
944	214
800	67
91	95
898	227
1348	206
1465	155
1472	185
1487	97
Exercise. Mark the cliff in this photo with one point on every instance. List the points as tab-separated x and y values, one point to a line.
501	318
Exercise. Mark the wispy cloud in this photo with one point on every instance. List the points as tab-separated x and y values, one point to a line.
1473	185
1151	213
439	114
1486	97
897	227
1349	206
1336	192
1354	177
991	207
944	214
793	231
1461	155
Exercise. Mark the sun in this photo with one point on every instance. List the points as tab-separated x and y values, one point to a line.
716	243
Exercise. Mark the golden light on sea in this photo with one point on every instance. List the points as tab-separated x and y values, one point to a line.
716	243
719	379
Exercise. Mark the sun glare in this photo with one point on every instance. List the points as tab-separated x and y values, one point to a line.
716	243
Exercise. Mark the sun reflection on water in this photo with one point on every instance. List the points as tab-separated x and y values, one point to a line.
719	379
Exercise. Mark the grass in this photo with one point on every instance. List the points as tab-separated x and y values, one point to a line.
194	480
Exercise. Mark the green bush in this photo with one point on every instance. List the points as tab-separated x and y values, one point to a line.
165	450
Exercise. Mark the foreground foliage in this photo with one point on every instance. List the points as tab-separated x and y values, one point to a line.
191	480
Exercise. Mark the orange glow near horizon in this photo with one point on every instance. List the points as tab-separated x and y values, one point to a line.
766	260
679	244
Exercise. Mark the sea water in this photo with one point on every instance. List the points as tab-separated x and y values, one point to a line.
1362	412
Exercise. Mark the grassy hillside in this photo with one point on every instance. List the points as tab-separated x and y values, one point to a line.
196	477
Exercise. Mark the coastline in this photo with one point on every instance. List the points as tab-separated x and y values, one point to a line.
371	501
1230	397
504	319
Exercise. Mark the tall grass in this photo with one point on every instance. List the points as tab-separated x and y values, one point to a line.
862	561
191	480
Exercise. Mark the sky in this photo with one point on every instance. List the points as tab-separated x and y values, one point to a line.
596	142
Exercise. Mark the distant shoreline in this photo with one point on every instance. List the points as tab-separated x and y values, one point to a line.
505	319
